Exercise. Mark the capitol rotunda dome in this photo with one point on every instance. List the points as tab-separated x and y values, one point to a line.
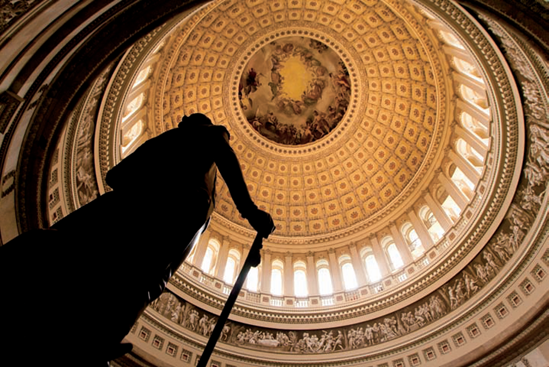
400	147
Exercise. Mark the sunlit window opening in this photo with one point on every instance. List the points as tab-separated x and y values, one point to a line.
252	280
466	68
471	155
276	278
433	226
473	125
300	283
324	278
474	97
412	240
133	106
450	207
394	256
210	257
131	135
207	262
462	182
374	274
349	276
143	74
228	277
450	39
233	260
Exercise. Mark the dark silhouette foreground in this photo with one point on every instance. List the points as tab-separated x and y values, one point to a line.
71	293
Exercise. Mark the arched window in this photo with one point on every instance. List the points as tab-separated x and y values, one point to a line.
231	267
470	154
392	252
300	279
461	181
324	278
394	255
133	106
348	272
448	204
450	39
210	257
370	262
433	226
372	268
466	68
473	97
207	261
276	278
412	240
132	134
229	271
473	125
142	75
252	280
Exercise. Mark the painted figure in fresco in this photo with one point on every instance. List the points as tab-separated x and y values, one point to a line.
114	256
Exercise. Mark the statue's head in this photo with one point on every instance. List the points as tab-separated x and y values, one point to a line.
194	120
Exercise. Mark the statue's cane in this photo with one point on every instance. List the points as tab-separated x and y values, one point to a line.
252	260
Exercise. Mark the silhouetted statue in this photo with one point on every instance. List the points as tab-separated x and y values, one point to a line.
98	268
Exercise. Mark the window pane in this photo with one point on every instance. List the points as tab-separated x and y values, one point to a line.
228	277
349	277
132	135
373	269
252	279
451	208
133	106
394	255
325	282
207	262
300	283
276	282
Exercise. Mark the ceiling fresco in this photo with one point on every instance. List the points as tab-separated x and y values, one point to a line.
295	90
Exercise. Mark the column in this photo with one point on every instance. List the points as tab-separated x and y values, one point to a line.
439	213
266	267
358	264
465	167
288	275
337	282
401	244
421	230
312	275
222	257
202	246
456	194
472	140
380	257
